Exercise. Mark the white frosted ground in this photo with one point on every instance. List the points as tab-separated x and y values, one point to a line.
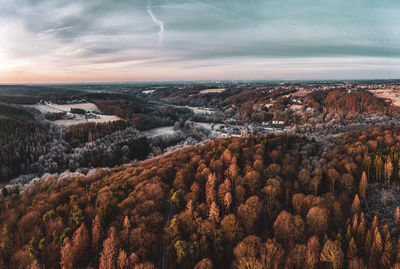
169	130
212	91
54	108
102	119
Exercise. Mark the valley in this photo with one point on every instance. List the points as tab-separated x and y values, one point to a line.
293	169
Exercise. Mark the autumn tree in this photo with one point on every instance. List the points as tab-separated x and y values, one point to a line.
211	193
312	252
333	254
205	263
375	224
376	249
356	205
315	181
108	257
228	201
133	259
298	203
352	250
233	170
366	163
223	189
368	244
272	254
272	204
97	234
317	220
333	175
123	260
297	256
249	214
347	182
258	165
126	228
361	230
288	227
363	185
81	243
253	181
304	177
378	164
214	212
397	216
387	252
231	229
388	170
247	250
357	263
67	261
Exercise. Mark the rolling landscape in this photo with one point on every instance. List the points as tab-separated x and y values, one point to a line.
258	175
163	134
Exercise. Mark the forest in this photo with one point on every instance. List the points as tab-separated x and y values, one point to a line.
140	114
28	146
343	102
21	140
254	202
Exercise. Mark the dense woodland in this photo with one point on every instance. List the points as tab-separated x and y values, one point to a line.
343	102
21	92
30	147
256	202
141	114
88	132
21	140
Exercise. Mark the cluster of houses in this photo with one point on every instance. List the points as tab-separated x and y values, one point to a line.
78	113
249	129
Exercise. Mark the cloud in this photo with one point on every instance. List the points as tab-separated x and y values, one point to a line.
158	22
109	37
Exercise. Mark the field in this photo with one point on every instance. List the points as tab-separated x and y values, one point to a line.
212	91
169	130
52	108
389	94
77	120
55	108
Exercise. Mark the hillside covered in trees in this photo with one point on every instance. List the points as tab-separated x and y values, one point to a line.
141	114
21	140
344	102
30	147
255	202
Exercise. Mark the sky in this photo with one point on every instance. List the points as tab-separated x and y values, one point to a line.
53	41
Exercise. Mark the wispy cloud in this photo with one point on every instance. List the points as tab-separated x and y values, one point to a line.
225	38
158	22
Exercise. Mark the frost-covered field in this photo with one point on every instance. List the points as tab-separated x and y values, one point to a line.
55	108
86	106
52	108
169	130
212	91
201	110
388	94
44	108
101	119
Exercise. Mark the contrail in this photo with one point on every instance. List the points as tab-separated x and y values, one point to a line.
159	23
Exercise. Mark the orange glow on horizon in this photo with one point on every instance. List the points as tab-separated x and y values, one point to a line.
27	78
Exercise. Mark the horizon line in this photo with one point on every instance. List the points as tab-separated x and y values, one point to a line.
200	81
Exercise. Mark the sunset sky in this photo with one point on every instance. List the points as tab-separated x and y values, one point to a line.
102	40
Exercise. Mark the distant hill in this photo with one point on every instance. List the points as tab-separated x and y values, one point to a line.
37	92
346	102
